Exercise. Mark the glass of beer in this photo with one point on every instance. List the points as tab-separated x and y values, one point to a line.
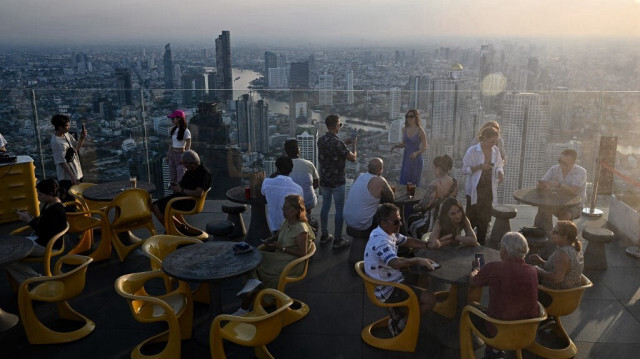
133	181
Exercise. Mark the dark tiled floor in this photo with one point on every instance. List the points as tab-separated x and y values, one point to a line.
607	324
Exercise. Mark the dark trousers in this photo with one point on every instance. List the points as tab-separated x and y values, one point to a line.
479	215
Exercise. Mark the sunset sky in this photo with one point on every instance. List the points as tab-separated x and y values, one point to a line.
336	21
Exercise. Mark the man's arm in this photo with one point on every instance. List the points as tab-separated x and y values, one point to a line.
352	155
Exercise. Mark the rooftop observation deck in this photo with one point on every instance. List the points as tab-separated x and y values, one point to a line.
607	323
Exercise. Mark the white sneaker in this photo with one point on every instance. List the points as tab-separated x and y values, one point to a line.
240	312
249	286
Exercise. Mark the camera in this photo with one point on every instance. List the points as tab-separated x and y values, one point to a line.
68	155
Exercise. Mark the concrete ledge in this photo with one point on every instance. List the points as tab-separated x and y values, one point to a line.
624	219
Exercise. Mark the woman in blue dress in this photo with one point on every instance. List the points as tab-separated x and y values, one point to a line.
414	142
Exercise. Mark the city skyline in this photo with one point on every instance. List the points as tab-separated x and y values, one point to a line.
33	22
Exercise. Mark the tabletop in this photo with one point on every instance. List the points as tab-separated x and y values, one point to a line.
237	195
455	262
14	248
546	198
209	261
402	198
106	192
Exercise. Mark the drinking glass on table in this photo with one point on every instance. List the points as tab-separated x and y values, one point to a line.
133	181
411	189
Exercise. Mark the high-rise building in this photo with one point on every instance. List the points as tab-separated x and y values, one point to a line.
325	90
223	67
349	84
299	74
419	92
307	136
253	124
524	128
123	76
395	97
487	67
167	62
210	139
395	131
270	61
560	108
278	78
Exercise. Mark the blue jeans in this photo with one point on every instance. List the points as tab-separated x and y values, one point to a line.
337	194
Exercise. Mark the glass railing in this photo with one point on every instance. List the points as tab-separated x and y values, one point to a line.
242	131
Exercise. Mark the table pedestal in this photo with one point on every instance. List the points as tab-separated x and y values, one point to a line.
7	320
258	229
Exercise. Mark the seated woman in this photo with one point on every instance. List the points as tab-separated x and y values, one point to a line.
289	243
448	228
443	186
52	220
564	267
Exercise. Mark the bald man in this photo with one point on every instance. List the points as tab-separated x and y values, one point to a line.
366	193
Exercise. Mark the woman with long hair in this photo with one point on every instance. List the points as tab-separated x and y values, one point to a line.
564	267
287	244
500	142
483	166
414	142
180	142
427	210
447	230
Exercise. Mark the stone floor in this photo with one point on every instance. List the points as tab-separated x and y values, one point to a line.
607	324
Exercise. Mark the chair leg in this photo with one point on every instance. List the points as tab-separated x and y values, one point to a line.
466	345
103	252
84	244
262	352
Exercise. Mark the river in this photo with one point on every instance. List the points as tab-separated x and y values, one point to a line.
242	81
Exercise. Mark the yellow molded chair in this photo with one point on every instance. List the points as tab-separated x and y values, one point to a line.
254	329
175	308
407	339
511	334
132	210
49	251
298	309
159	246
170	212
563	302
83	222
448	300
77	190
56	289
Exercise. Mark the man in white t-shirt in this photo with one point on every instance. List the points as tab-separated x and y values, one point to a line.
65	154
381	262
567	177
276	189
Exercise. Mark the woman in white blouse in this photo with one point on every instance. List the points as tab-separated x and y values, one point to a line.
180	142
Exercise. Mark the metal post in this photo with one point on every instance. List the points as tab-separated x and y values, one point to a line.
37	130
592	211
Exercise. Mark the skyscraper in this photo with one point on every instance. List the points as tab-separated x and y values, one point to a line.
394	103
167	62
524	128
253	124
123	76
419	92
270	61
349	83
223	67
307	136
299	74
325	90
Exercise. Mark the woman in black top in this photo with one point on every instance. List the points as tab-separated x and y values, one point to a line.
52	220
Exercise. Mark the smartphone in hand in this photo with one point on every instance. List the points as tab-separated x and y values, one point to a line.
480	259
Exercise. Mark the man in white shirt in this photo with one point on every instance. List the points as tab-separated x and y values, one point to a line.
276	189
568	177
366	193
381	262
304	173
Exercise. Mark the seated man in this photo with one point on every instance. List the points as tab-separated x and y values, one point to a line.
276	189
366	193
381	262
568	177
194	182
513	285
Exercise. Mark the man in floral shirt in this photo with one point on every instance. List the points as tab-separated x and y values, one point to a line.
332	153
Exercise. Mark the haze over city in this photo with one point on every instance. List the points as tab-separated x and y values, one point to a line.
370	22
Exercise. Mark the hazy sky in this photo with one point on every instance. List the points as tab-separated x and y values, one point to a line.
367	21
